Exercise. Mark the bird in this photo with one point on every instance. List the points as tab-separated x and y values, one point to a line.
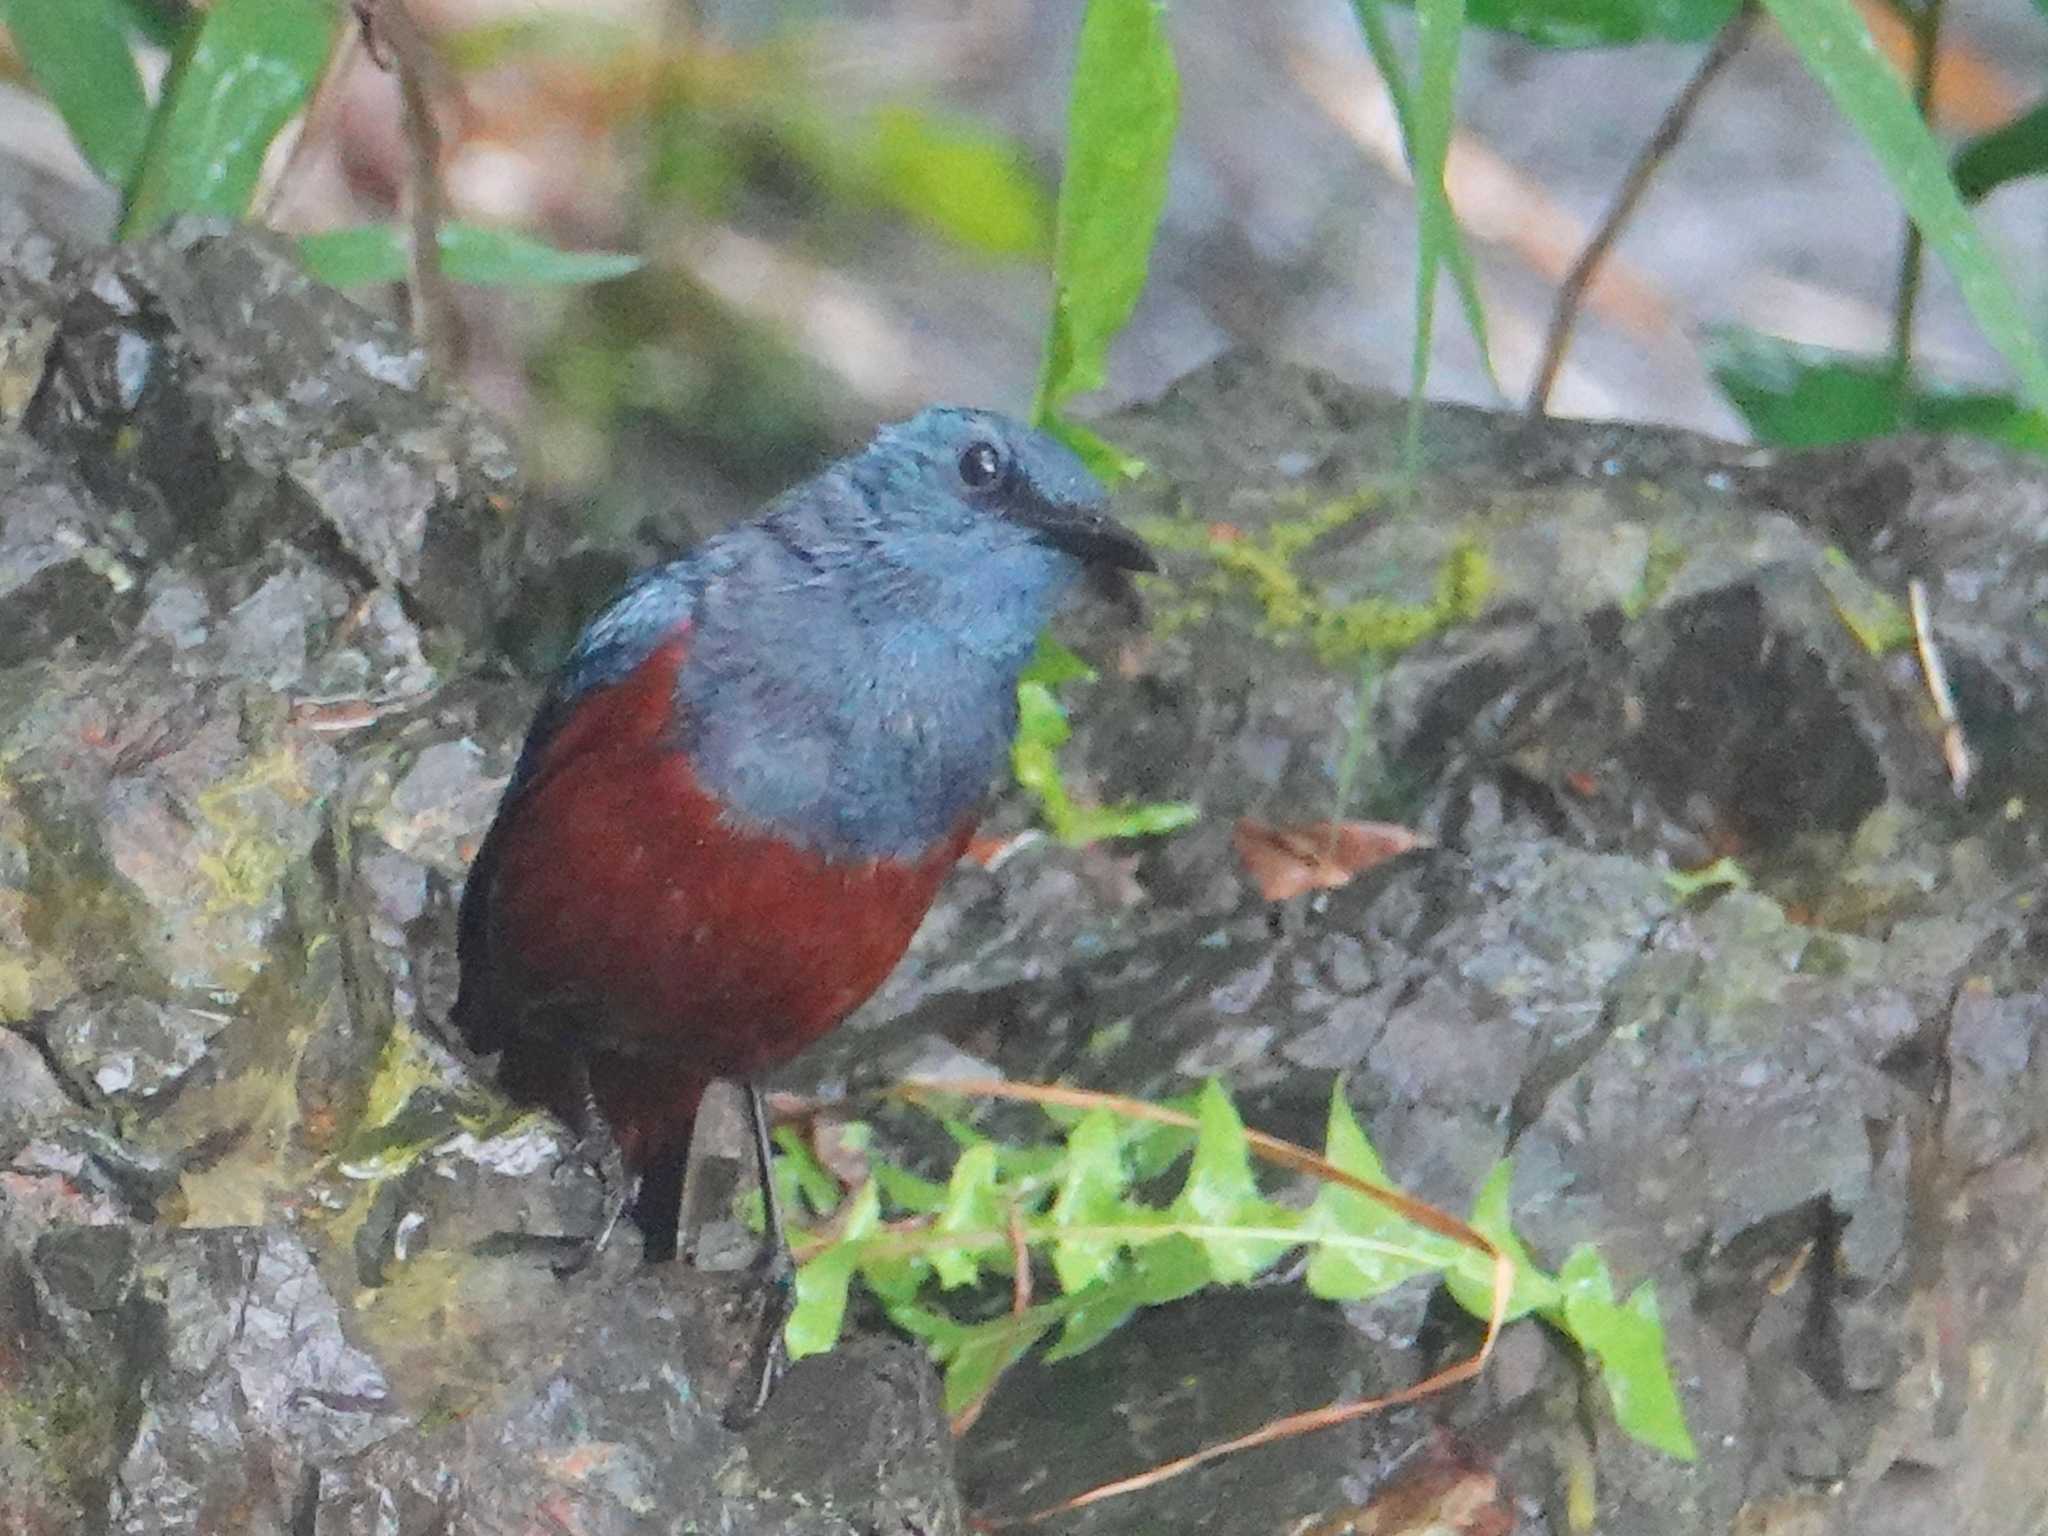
745	785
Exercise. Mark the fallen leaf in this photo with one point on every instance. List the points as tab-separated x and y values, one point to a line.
1445	1494
1284	861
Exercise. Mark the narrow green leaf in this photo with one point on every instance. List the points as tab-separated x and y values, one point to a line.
1091	1194
820	1310
77	52
1440	28
1386	58
1627	1342
1471	1282
1839	52
1051	665
2017	150
818	1189
1604	23
1121	114
1221	1191
245	71
470	253
1344	1274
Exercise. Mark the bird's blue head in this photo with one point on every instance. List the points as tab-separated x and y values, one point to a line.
850	681
977	524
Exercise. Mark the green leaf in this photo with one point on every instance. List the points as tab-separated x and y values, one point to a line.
1471	1282
470	253
1042	730
1379	42
973	1204
1628	1343
1091	1194
986	1350
1604	23
1441	24
819	1190
906	1191
1120	123
1795	396
1052	664
1349	1273
2017	150
77	52
1723	874
1838	51
246	69
820	1310
962	182
1221	1192
1173	1267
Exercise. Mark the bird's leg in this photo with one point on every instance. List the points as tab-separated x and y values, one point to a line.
597	1146
775	1272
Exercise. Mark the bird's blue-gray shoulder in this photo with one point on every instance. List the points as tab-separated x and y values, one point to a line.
629	629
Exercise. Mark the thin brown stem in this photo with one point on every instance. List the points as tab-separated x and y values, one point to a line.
1925	20
1677	117
395	41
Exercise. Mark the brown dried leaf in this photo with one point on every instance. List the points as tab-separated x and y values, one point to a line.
1284	861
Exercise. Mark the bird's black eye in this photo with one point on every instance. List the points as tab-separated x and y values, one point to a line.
981	466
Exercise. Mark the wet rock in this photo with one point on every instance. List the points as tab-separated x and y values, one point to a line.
273	1256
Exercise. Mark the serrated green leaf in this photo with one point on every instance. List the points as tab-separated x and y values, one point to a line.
1338	1273
1090	1194
78	54
972	1205
986	1350
244	72
1838	51
1470	1281
1167	1270
1221	1192
470	253
2011	153
942	1334
905	1191
1121	115
1627	1342
820	1310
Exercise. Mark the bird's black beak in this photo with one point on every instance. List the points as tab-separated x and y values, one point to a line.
1090	534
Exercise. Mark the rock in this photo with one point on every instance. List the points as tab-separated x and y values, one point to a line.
274	1257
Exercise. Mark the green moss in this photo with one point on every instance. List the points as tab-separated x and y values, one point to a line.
1879	621
249	864
1666	558
1291	608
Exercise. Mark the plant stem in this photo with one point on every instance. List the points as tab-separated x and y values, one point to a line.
1649	160
1926	25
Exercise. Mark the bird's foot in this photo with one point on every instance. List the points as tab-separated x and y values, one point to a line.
598	1150
773	1273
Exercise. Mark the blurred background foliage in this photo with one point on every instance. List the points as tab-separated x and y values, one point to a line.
692	246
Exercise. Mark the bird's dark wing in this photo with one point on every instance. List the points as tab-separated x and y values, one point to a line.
614	644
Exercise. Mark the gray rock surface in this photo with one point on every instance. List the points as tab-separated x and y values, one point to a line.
271	1258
